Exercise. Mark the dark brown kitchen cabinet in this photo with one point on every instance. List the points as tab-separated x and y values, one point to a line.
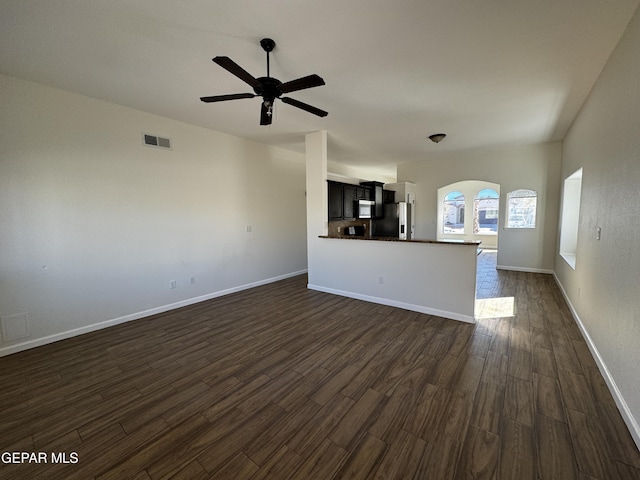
348	202
363	193
388	196
376	196
336	205
343	198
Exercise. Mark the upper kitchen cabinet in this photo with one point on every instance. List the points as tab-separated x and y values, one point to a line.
363	193
349	196
377	197
336	202
388	196
342	199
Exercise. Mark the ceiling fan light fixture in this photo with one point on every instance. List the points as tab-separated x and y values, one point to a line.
268	105
437	137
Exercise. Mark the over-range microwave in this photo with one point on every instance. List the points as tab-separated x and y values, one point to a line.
364	208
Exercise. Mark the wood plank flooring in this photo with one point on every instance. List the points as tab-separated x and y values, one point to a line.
281	382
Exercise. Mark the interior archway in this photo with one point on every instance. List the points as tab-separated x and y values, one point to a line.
481	207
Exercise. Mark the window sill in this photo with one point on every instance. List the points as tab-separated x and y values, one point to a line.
570	258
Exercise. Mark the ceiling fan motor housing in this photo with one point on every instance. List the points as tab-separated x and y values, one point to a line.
269	88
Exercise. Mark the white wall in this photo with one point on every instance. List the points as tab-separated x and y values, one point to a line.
94	225
317	197
433	278
603	289
368	174
534	167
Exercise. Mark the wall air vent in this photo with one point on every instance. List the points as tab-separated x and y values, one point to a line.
155	141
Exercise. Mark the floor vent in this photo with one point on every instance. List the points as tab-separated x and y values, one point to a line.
155	141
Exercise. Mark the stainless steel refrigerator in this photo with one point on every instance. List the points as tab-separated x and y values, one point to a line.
395	222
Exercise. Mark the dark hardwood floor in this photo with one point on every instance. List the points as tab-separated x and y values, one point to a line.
282	382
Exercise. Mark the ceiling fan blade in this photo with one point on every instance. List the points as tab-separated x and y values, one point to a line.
301	83
222	98
266	116
304	106
232	67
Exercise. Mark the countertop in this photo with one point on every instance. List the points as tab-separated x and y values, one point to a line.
394	239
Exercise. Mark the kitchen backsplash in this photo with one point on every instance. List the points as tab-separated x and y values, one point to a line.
339	227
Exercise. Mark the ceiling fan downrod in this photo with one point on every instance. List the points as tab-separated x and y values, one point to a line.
267	45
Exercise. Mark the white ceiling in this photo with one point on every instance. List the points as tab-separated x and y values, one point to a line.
485	72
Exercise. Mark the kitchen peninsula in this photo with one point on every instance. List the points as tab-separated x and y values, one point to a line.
430	277
427	276
394	239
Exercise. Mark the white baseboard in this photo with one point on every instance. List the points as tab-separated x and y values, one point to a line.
8	350
394	303
627	415
524	269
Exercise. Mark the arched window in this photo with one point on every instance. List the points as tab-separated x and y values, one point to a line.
521	209
485	212
453	213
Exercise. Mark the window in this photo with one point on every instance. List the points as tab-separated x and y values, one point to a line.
485	212
521	209
453	213
570	217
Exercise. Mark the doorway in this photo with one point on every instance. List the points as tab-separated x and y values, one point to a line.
469	211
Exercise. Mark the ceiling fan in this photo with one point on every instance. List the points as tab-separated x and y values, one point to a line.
268	88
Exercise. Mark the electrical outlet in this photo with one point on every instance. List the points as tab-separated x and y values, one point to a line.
192	280
173	284
380	280
247	228
598	233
